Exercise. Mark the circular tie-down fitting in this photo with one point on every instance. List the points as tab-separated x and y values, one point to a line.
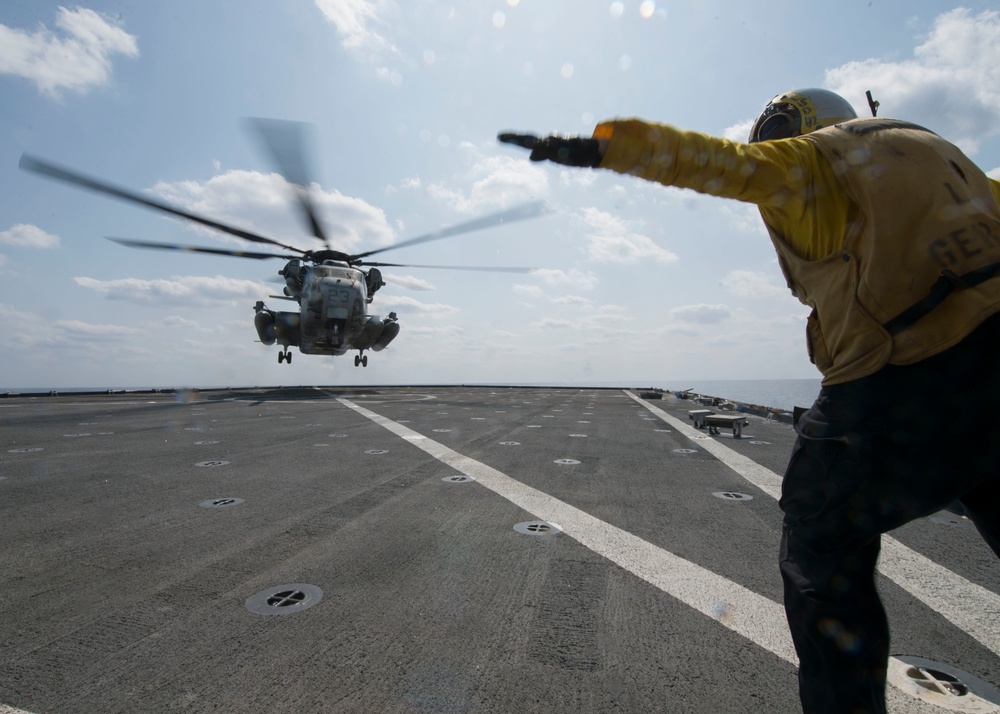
284	599
210	464
941	684
685	451
538	528
221	502
376	452
458	478
566	462
946	518
205	443
732	496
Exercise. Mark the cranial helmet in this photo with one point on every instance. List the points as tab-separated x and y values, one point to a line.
799	112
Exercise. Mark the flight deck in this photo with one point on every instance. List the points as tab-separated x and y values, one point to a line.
432	549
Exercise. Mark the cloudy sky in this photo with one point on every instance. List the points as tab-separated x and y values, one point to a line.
636	282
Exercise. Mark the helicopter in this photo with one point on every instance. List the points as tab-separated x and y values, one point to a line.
333	289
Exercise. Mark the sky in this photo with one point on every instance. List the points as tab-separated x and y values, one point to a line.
636	282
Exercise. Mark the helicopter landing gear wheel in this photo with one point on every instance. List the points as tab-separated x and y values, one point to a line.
364	361
360	360
285	356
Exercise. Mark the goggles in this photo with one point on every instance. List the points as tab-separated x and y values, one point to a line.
779	121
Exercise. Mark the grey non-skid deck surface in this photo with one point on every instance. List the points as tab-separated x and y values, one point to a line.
125	572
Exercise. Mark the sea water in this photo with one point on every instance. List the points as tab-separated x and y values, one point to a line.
777	394
783	394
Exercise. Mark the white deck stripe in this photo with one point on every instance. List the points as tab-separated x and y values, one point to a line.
755	617
743	611
969	606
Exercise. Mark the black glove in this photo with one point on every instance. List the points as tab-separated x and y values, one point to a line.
571	151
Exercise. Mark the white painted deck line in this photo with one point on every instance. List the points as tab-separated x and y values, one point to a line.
969	606
753	616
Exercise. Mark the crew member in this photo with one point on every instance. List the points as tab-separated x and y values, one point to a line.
892	236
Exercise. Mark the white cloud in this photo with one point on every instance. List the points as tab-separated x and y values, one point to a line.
356	22
740	131
702	314
410	183
186	324
25	235
530	291
91	331
77	58
264	203
408	304
952	84
549	323
409	282
184	290
60	336
496	181
748	284
577	278
612	241
572	300
577	178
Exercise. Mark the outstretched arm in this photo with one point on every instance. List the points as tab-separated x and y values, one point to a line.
568	151
789	181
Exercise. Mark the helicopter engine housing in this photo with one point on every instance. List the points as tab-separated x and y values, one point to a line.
280	327
390	328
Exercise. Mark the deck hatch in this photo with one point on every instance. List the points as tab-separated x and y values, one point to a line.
284	599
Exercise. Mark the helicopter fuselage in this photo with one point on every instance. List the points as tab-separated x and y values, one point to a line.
333	317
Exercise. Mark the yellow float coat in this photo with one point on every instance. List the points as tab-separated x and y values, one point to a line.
864	218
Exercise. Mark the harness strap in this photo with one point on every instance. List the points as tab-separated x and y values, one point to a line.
946	284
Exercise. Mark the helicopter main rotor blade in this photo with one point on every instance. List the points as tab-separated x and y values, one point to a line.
480	268
197	249
518	213
284	141
45	168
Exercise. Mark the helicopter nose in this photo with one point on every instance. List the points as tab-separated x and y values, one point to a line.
339	299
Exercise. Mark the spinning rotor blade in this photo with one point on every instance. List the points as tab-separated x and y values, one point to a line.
197	249
284	141
518	213
484	269
44	168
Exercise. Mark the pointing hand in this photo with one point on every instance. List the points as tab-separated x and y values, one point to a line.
569	151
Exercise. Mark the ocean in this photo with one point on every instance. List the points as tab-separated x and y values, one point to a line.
783	394
778	394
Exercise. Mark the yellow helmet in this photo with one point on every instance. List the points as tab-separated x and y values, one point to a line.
799	112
